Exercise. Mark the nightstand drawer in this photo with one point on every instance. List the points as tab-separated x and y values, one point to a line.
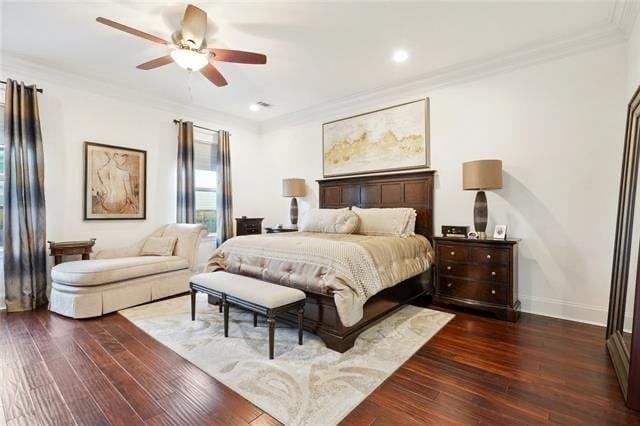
452	252
489	255
497	273
473	290
252	228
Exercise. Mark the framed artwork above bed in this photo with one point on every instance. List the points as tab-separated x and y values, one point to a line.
388	139
115	180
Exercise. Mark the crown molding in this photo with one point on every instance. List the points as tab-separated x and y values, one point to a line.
603	34
625	14
42	73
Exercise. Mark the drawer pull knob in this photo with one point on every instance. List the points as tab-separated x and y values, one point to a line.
488	256
449	285
493	273
493	292
453	253
448	268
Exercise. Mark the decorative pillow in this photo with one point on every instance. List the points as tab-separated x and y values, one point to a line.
159	246
399	222
333	221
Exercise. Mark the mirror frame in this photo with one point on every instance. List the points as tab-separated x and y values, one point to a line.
626	360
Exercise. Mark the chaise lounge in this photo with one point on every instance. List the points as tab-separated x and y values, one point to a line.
120	278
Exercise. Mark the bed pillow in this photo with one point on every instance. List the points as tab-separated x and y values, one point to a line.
332	221
399	222
159	246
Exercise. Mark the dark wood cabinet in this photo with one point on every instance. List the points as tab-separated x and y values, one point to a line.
248	225
480	274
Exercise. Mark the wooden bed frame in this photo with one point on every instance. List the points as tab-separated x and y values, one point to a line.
408	189
412	189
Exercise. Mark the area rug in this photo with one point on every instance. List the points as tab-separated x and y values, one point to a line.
303	385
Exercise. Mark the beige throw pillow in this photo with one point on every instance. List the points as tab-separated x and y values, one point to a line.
399	222
159	246
332	221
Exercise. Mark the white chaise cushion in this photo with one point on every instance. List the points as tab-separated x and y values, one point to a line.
159	246
249	289
102	271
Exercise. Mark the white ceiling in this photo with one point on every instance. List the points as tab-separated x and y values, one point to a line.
317	51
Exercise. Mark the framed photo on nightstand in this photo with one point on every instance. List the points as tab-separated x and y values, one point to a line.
500	232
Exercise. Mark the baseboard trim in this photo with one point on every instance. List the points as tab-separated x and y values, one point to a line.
556	308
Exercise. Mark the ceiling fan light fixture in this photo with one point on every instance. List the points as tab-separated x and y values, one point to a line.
190	59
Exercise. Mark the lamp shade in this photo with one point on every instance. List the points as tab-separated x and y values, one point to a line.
293	187
482	174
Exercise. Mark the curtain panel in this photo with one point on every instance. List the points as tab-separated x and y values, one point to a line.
223	192
186	204
25	255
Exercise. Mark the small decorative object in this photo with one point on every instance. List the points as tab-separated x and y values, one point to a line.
480	175
393	138
500	232
472	235
293	187
115	180
454	231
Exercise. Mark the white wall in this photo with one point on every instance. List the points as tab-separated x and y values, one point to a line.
633	52
71	115
558	127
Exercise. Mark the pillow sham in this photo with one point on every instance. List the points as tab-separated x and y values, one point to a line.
332	221
159	246
399	222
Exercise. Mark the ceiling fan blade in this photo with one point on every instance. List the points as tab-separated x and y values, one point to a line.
213	75
155	63
118	26
239	57
194	26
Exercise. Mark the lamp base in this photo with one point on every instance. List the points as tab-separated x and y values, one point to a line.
480	214
293	212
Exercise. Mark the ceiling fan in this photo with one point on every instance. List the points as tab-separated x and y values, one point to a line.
189	48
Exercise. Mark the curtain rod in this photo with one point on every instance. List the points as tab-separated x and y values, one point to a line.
176	121
5	83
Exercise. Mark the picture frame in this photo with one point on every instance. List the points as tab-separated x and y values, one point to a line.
500	232
384	140
115	182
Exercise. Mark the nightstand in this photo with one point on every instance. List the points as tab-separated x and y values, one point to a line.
248	225
277	230
479	274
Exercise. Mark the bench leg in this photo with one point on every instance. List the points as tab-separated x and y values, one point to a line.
193	305
300	324
255	319
220	305
271	320
226	316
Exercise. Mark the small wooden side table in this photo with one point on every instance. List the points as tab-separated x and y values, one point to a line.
70	248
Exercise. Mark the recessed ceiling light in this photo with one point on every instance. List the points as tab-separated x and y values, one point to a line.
400	56
254	107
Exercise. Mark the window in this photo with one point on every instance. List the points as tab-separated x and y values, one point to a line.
206	179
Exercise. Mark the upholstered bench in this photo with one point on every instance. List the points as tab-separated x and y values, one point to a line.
257	296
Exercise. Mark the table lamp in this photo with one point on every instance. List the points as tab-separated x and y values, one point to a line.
478	176
293	187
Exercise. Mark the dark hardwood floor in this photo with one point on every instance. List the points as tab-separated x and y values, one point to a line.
476	370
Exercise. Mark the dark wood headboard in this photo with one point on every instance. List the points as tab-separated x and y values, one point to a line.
414	189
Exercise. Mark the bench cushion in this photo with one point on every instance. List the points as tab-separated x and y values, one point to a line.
102	271
249	289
